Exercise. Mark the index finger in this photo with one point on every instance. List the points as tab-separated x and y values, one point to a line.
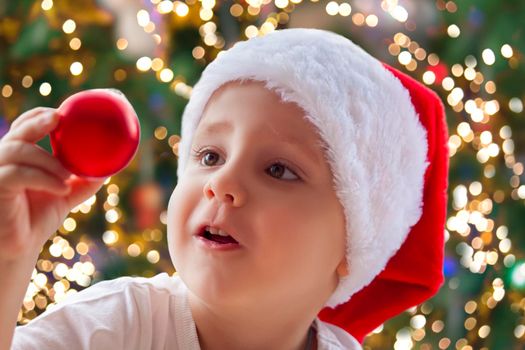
34	112
33	129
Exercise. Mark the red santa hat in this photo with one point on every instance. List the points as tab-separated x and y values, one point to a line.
386	140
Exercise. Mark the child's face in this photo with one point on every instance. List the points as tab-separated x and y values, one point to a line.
262	178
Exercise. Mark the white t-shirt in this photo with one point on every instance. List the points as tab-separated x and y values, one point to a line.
134	313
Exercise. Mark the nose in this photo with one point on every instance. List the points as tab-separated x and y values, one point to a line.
225	188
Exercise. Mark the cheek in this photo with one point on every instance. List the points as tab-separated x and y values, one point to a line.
182	202
180	208
310	230
295	224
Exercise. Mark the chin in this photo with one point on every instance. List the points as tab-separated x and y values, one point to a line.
216	291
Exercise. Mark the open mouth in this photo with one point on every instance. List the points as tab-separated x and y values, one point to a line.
217	235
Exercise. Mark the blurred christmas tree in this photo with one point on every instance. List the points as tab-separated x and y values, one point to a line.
470	52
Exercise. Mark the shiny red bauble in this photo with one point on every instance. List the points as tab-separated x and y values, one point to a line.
98	133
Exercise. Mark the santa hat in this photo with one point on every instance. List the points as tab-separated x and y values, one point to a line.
387	149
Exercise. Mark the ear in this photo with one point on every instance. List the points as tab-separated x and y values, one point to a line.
342	268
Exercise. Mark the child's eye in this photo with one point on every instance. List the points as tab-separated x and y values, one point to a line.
278	170
281	171
206	156
209	158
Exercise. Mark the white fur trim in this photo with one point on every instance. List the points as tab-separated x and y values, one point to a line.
376	144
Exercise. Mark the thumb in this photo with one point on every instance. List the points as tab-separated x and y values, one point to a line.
82	189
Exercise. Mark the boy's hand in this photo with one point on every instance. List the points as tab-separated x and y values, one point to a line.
36	191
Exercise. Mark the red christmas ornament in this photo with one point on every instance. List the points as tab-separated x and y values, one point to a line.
146	200
98	133
440	71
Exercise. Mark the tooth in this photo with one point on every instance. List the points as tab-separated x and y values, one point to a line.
216	231
222	233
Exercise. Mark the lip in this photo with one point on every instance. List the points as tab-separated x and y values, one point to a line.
207	244
214	245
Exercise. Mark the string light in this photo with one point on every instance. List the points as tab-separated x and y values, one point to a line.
69	26
488	57
45	89
27	81
332	8
75	44
453	31
181	9
506	51
143	18
345	9
516	105
47	5
144	63
7	91
122	44
76	68
165	6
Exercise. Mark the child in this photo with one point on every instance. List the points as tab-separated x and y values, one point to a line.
309	209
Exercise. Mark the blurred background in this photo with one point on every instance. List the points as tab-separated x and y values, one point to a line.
469	52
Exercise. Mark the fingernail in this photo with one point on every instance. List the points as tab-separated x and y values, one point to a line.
49	118
65	174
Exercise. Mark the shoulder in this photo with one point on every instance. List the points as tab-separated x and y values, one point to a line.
331	337
127	312
126	299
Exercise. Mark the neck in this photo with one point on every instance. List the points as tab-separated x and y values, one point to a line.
259	327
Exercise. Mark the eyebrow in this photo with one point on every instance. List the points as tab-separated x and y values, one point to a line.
303	148
294	142
218	127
